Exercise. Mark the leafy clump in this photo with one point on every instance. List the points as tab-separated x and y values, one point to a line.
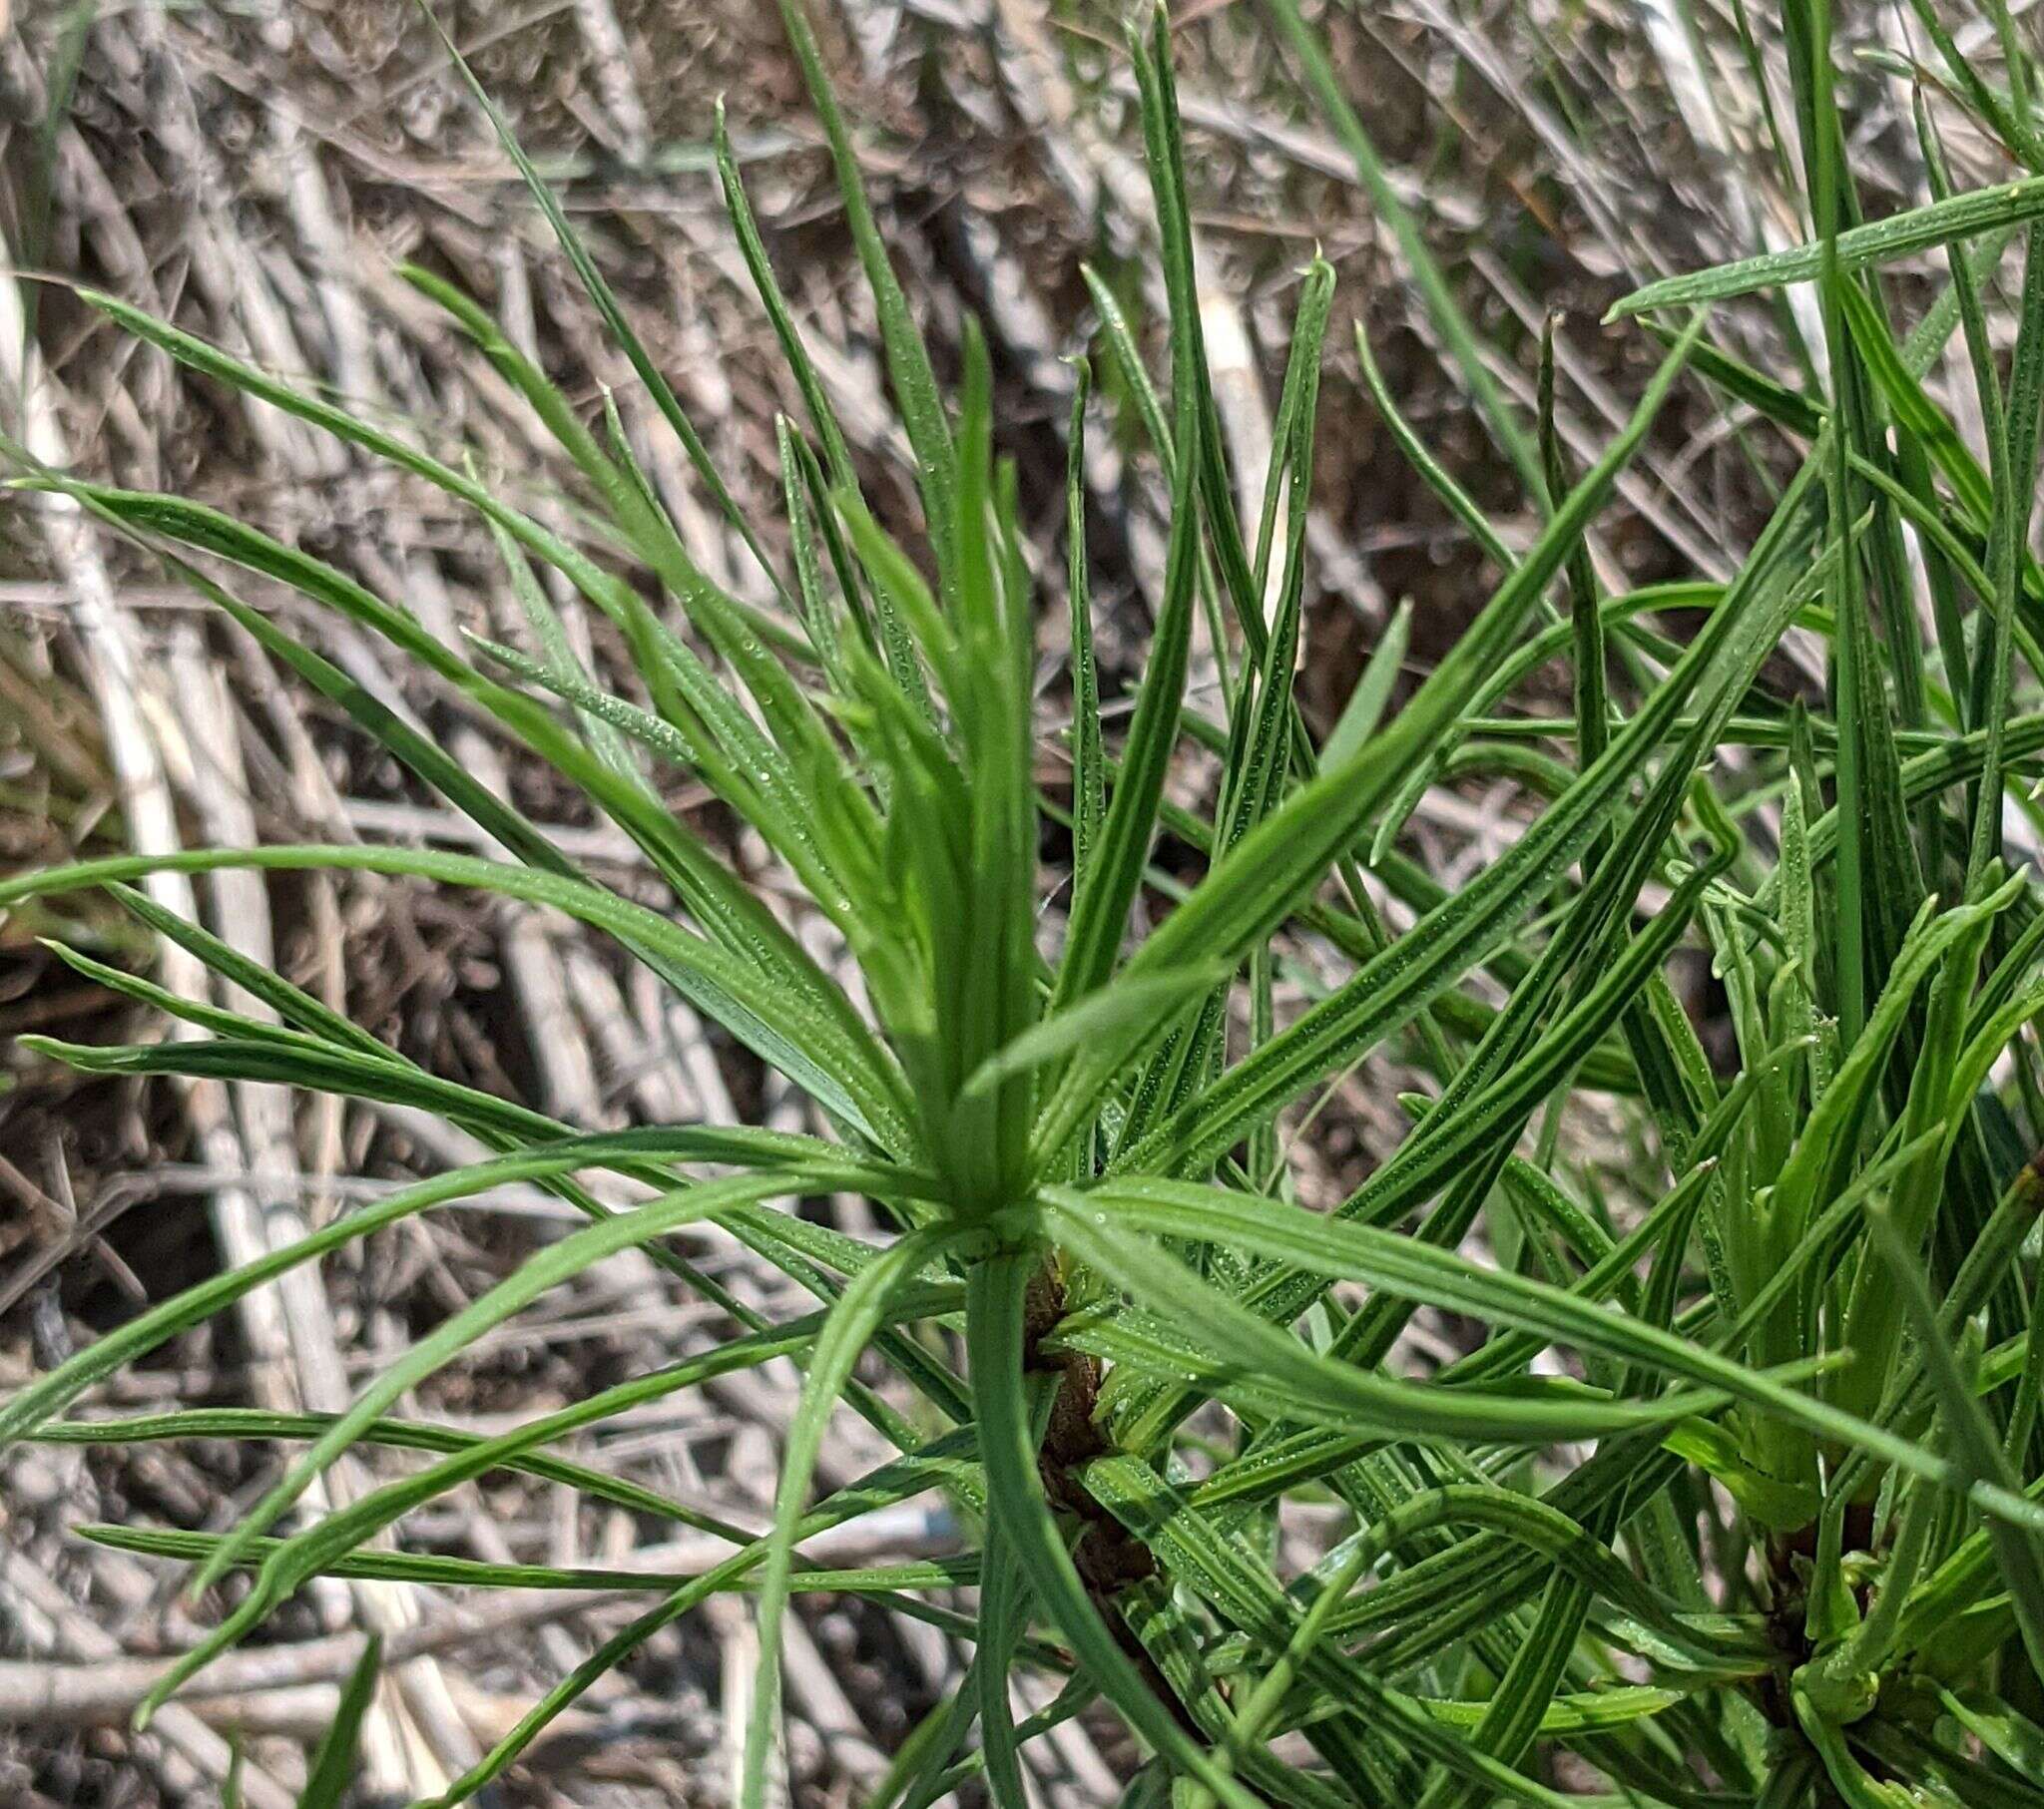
1768	1532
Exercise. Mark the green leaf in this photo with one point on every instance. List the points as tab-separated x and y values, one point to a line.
1267	1362
1881	242
1760	1496
1979	1459
439	1571
400	1434
835	1057
1099	914
908	361
1366	702
1141	1005
333	1764
1437	478
1088	760
2010	1735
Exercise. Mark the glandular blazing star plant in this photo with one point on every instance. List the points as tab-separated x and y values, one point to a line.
1736	1495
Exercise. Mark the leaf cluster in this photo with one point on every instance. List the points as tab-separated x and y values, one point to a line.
1736	1495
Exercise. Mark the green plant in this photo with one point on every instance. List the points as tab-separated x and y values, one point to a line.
1807	1359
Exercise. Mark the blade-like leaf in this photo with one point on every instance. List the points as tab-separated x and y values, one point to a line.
333	1765
1881	242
